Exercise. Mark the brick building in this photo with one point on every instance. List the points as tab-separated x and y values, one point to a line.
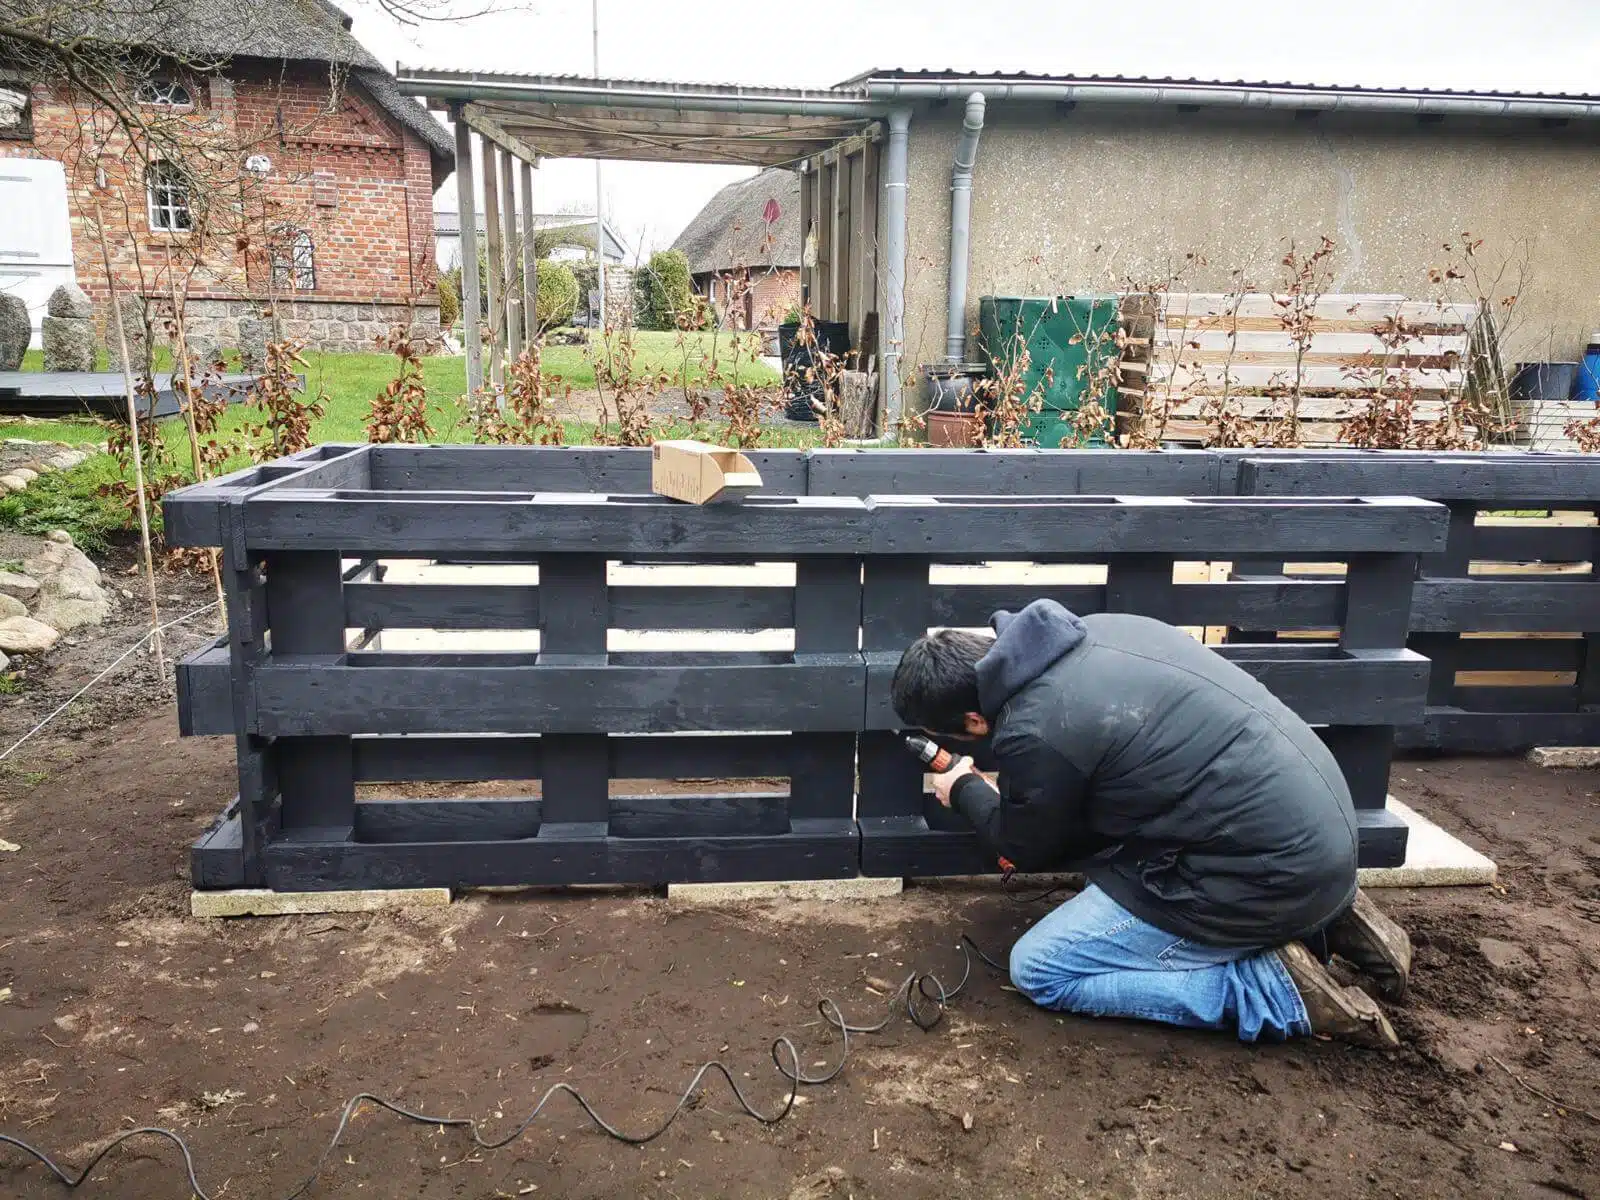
285	176
732	234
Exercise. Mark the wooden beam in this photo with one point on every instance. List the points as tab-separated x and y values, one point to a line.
512	300
471	285
489	127
530	259
494	259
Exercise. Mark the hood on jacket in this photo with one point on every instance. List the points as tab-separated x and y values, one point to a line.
1026	645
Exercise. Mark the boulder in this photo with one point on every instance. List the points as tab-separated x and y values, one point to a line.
13	483
19	586
16	329
70	594
70	300
10	606
24	635
254	334
26	474
4	661
56	558
60	537
69	344
68	603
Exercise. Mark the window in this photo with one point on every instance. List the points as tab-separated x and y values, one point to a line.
16	113
168	194
294	266
166	92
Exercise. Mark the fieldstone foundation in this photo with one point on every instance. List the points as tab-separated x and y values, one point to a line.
320	324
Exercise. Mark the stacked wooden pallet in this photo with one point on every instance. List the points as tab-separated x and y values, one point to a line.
1542	424
1192	356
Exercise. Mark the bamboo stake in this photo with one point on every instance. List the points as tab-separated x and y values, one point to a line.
186	402
138	454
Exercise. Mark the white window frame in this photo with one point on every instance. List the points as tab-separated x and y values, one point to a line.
293	260
167	198
163	91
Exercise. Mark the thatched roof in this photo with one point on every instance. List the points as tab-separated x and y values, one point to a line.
209	32
731	230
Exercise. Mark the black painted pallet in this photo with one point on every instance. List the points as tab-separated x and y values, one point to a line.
322	709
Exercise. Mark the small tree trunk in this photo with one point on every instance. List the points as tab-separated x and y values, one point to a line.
186	401
138	455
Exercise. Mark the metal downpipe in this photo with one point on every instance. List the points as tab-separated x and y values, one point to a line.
955	333
894	269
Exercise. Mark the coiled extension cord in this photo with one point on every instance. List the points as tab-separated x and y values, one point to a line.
922	995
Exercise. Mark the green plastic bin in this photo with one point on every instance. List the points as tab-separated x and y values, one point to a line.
1059	334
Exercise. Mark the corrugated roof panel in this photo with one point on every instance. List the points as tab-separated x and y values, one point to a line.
858	82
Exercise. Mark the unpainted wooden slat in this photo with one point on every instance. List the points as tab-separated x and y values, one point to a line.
1214	376
1187	342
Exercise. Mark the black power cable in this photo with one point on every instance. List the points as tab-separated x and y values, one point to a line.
923	996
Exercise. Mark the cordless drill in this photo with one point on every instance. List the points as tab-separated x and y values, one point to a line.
938	760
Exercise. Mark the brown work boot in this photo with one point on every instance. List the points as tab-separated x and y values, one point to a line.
1367	939
1339	1012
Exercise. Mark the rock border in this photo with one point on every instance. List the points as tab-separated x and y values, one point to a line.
42	459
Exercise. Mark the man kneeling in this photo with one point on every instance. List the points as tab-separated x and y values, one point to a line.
1215	828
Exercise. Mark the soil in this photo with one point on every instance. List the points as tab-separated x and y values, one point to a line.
248	1037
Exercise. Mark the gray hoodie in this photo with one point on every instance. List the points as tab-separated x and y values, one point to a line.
1180	785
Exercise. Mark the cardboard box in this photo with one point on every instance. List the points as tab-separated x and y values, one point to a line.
697	473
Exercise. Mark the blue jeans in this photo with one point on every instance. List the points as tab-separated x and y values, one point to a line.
1093	956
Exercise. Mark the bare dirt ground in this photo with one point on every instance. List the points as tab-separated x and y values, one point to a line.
248	1037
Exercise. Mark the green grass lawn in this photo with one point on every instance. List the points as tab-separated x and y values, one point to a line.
352	380
72	501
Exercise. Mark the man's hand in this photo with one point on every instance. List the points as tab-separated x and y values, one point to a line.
942	784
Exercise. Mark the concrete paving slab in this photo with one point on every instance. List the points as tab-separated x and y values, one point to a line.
1434	858
1565	756
690	894
260	902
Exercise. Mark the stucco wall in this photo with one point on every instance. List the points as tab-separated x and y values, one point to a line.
1085	201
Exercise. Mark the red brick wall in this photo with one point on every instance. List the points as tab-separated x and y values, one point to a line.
775	295
772	295
354	178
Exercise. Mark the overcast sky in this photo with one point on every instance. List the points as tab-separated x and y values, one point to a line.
1530	45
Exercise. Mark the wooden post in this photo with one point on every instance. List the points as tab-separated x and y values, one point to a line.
1378	591
575	767
808	214
861	235
494	260
827	622
1588	679
839	238
895	612
513	255
305	611
530	261
822	296
471	285
1444	649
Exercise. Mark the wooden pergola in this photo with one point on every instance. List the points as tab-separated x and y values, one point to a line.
524	118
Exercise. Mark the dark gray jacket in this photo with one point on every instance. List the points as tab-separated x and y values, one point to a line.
1180	785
